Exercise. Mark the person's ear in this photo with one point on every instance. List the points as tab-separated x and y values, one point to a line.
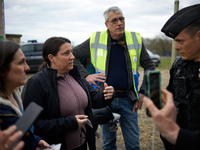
106	23
198	35
51	58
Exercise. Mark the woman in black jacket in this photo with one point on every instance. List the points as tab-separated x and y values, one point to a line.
67	98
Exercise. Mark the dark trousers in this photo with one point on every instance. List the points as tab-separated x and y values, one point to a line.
82	147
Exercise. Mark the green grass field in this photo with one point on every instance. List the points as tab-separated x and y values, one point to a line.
164	65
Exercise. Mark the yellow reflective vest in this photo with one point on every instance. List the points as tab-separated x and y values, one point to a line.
98	52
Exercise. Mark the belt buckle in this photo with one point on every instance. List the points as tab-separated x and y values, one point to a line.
120	91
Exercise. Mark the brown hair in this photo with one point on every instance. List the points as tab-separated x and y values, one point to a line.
7	52
193	28
52	46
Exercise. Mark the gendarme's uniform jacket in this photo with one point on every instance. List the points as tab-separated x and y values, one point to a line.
42	88
83	50
188	140
9	114
185	86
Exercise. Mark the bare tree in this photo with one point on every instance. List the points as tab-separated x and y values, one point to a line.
160	44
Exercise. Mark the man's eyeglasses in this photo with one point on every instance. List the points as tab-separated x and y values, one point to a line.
115	20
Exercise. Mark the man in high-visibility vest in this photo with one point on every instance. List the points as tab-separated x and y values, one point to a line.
116	54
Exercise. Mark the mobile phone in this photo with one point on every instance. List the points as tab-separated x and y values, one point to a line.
49	147
89	123
152	80
27	119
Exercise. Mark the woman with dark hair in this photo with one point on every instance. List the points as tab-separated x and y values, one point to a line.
13	68
67	98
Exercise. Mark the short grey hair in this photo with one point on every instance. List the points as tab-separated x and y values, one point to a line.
114	9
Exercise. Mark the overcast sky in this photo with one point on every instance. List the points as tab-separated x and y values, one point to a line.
76	19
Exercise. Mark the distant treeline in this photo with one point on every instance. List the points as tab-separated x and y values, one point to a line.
161	44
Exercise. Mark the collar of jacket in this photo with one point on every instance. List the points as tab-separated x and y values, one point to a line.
8	102
52	73
121	39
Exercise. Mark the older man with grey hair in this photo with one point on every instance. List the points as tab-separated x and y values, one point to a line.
116	54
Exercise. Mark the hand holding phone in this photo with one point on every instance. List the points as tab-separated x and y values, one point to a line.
152	88
49	147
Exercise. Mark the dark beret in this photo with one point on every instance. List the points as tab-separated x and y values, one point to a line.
180	20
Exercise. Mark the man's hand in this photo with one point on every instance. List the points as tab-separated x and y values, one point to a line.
93	78
108	91
138	103
165	119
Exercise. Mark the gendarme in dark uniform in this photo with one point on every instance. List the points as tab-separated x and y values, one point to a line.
185	72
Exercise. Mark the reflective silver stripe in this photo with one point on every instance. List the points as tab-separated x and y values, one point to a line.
138	46
97	37
134	72
97	45
102	46
132	46
135	46
93	45
135	40
101	71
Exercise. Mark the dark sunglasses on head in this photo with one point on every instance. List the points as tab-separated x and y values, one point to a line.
115	20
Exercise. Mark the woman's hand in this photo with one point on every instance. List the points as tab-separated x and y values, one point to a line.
108	91
81	119
42	144
8	137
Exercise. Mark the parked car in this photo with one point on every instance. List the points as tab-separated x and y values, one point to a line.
33	54
154	57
